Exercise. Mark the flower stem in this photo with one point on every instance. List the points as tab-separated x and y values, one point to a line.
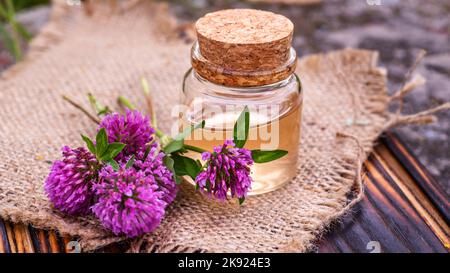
164	139
159	133
81	108
97	106
194	149
148	99
125	102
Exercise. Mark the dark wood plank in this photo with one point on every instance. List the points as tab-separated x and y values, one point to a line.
396	211
376	218
412	194
10	237
420	174
4	243
402	217
23	239
370	218
36	238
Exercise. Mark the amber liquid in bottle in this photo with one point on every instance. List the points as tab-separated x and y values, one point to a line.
265	133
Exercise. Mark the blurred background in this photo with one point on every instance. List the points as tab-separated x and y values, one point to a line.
398	29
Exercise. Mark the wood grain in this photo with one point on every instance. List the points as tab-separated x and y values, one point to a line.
419	173
396	212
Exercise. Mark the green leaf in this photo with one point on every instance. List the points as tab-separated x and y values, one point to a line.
10	43
114	164
147	151
241	200
89	144
10	8
199	163
101	142
188	131
3	12
241	128
23	31
14	44
173	146
185	166
130	162
112	151
169	163
178	179
267	156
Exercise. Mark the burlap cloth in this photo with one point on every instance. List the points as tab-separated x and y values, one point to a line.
106	53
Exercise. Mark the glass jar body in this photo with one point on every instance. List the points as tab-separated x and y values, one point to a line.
275	122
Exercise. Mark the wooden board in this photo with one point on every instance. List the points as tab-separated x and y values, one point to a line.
404	210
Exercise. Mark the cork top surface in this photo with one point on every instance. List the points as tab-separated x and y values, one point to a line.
244	26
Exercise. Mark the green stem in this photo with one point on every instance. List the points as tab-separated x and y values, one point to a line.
16	44
194	149
159	133
164	139
125	102
97	106
154	121
81	108
10	18
148	99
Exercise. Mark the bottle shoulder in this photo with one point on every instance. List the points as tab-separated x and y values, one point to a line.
287	89
273	101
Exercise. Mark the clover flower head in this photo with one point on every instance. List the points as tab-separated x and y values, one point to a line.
132	129
227	170
69	184
129	202
153	167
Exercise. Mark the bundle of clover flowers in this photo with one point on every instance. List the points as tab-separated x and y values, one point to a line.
128	175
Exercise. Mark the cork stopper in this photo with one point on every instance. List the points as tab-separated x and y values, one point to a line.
243	47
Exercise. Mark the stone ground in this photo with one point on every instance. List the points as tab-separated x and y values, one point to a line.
396	28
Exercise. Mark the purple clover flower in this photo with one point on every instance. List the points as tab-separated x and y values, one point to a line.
227	170
133	129
68	186
129	202
153	167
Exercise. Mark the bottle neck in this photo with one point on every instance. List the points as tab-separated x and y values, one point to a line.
221	75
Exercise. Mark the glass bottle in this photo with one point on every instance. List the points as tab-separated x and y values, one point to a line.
230	73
